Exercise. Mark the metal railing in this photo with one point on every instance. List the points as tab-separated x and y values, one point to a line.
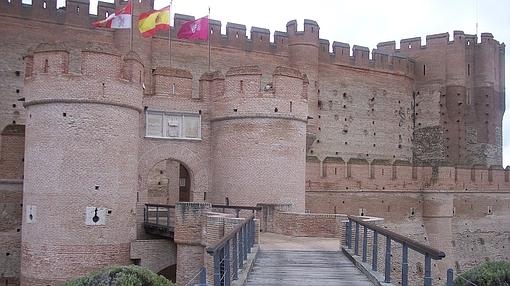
407	243
159	219
230	253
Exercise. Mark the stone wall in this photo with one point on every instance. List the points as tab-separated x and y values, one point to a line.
11	204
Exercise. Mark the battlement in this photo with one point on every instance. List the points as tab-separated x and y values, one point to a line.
437	40
245	95
386	57
95	60
335	173
93	73
379	59
172	82
245	81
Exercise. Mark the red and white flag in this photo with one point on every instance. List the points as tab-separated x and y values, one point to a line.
121	19
195	30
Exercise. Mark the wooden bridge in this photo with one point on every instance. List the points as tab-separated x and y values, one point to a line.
285	260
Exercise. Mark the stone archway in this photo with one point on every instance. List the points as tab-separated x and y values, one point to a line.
154	152
168	182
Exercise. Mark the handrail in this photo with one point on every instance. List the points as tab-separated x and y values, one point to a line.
230	253
416	246
428	252
159	219
214	248
160	205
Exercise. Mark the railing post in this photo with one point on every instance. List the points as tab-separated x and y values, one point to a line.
356	239
241	248
374	252
246	242
248	230
405	265
427	281
203	281
217	274
364	250
226	261
449	277
168	217
157	215
145	214
253	231
387	262
235	257
348	235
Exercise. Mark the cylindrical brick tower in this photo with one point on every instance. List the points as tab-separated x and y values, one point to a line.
304	56
80	161
259	139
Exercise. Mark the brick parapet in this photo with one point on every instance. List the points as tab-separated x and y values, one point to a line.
338	175
76	14
105	82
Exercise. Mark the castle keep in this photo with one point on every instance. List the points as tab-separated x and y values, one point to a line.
92	130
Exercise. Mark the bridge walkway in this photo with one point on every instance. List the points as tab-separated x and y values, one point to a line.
286	260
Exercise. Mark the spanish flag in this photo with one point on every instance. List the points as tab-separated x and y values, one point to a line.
151	22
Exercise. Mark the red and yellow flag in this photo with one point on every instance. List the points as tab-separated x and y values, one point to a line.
151	22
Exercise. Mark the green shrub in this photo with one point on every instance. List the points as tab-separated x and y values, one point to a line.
488	274
121	276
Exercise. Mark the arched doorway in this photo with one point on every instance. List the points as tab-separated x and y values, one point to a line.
169	181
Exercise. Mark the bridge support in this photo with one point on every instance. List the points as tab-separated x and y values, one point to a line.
189	218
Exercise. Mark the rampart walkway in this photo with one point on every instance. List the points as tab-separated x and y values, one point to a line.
285	260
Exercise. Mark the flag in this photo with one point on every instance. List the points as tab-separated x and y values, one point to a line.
121	19
151	22
195	30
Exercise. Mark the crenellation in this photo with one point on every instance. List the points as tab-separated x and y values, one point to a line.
486	37
388	47
361	55
104	9
260	39
341	53
410	43
77	13
335	174
172	82
236	36
437	40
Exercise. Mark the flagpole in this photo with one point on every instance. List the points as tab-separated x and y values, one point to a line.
209	37
169	34
131	29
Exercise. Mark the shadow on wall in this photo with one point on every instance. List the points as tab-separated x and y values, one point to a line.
12	140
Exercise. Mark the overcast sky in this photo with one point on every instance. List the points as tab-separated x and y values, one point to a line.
367	22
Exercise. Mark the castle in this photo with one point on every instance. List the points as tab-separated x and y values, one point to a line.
93	129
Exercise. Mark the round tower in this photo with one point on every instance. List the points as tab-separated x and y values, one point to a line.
259	138
80	161
304	56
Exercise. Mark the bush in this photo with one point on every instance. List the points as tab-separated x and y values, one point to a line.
488	274
121	276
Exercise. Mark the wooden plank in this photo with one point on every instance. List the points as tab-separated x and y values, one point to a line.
310	268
